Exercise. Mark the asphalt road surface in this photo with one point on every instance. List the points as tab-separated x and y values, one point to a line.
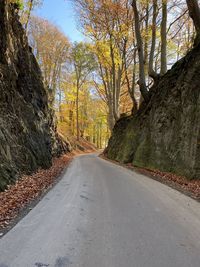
102	215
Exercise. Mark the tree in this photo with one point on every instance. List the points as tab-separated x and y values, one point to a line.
67	70
92	113
26	8
194	13
108	25
84	63
163	54
142	79
152	72
51	48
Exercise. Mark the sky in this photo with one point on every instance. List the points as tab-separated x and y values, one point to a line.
62	14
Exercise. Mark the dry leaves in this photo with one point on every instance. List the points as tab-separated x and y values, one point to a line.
28	188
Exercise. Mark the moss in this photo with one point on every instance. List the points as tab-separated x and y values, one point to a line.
143	153
128	145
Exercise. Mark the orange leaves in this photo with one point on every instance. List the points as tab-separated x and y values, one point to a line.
28	188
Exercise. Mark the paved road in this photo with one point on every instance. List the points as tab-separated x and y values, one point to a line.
102	215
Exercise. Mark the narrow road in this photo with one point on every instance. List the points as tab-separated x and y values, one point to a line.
102	215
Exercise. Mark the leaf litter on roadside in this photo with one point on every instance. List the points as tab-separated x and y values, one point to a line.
28	188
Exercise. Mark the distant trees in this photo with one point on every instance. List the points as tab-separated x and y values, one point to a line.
68	70
132	44
51	48
84	64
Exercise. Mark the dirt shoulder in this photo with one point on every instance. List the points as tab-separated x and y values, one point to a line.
190	188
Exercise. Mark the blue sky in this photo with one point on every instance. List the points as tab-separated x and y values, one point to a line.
61	13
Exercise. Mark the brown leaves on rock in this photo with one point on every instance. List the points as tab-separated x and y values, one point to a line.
28	188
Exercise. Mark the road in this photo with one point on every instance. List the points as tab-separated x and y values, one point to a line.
103	215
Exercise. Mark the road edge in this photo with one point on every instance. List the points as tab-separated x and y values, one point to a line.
24	211
152	176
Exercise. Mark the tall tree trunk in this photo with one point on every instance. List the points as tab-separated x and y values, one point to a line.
111	118
194	12
77	113
163	68
100	136
146	39
114	82
118	90
142	80
131	85
71	115
152	72
94	135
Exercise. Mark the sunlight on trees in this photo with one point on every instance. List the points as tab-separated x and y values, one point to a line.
131	45
135	42
68	70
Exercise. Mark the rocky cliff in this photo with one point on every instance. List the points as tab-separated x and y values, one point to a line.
28	137
165	134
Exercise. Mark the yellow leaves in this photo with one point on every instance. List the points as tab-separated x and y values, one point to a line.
102	51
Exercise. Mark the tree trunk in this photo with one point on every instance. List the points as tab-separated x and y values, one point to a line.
131	87
100	137
114	82
163	69
142	80
94	135
194	12
152	72
111	118
146	39
71	121
77	113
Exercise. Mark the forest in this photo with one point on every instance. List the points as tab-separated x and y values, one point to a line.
92	84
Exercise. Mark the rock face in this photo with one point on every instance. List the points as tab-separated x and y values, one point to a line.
28	137
165	134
